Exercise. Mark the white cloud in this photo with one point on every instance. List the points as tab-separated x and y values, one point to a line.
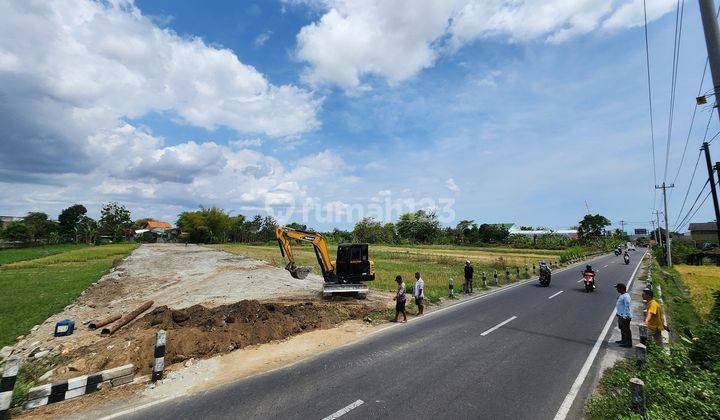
77	68
396	39
242	143
262	38
452	186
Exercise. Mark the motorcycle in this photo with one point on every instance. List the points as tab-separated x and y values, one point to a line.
626	257
589	280
617	252
545	276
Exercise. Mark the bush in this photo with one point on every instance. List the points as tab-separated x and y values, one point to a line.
571	254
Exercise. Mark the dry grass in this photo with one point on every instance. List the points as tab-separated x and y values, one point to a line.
701	281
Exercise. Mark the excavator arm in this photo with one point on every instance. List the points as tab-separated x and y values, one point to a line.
284	236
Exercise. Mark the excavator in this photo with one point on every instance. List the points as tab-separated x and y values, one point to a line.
344	276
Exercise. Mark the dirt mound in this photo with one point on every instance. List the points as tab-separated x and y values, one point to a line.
200	332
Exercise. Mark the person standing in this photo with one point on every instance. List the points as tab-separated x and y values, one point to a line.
622	309
400	300
654	318
419	293
468	277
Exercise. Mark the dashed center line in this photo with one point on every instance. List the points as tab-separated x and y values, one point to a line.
498	326
345	410
555	294
605	265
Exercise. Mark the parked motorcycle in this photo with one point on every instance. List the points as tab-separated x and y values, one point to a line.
589	281
545	276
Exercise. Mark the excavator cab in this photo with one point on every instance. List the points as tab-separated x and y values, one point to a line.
353	263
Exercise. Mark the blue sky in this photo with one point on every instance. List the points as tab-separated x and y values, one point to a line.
339	109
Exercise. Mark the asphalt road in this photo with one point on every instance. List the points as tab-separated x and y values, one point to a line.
513	354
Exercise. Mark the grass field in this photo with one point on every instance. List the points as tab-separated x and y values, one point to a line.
13	255
435	264
701	282
34	289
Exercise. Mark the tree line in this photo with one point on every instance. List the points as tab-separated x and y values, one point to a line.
215	225
73	225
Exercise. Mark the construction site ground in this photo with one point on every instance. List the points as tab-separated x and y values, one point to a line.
210	302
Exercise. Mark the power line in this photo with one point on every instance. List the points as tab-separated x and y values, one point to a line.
687	215
692	120
689	186
649	84
696	210
679	14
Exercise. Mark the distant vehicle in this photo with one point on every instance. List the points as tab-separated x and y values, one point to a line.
545	276
589	282
630	246
626	257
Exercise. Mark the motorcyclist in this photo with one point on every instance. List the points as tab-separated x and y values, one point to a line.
544	270
626	257
589	271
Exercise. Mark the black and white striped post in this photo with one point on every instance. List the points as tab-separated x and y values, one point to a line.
7	384
484	278
495	277
159	366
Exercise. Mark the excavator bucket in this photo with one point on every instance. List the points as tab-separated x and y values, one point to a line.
299	272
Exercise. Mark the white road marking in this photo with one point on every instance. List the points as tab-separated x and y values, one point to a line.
136	409
345	410
555	294
605	265
570	397
498	326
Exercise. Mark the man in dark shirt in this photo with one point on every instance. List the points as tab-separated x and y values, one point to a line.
468	277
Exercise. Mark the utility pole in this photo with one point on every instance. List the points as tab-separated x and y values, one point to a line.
713	190
668	252
622	227
653	229
712	41
658	239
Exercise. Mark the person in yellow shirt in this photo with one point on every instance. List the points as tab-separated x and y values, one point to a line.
654	317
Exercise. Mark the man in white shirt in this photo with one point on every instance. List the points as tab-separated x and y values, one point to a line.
624	315
419	293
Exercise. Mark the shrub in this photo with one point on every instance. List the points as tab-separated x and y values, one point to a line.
572	253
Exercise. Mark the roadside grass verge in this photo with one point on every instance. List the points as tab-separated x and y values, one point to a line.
682	315
674	388
683	380
436	266
35	289
701	282
20	254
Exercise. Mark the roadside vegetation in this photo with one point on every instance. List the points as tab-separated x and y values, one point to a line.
21	254
684	381
36	288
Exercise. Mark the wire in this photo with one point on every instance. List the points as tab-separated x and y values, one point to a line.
679	14
696	210
687	215
692	120
689	186
649	84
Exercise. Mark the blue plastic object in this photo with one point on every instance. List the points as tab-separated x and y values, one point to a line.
64	327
